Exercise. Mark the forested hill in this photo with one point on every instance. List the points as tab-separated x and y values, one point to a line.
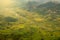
53	7
29	21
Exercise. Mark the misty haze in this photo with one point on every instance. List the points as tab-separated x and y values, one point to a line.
29	19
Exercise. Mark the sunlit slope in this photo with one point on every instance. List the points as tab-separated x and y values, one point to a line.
21	24
23	17
16	12
16	18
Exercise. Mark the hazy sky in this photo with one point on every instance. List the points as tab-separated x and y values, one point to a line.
8	3
43	0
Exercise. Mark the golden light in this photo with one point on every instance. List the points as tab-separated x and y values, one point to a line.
5	3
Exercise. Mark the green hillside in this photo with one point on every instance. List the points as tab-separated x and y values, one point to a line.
19	24
30	22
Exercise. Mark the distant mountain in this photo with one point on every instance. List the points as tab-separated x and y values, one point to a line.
46	7
49	6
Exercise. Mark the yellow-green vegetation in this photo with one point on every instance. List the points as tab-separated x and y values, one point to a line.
19	24
29	20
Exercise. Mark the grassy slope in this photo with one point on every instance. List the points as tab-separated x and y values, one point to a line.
30	26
